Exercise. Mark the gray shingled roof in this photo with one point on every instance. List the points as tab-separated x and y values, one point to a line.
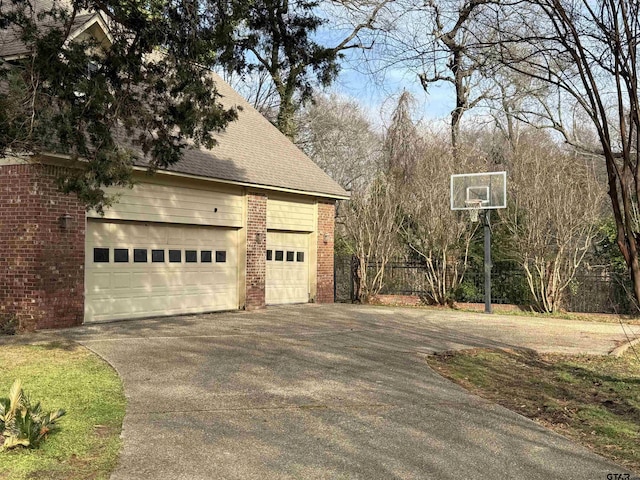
251	150
10	44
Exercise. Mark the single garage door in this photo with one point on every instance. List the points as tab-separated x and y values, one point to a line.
287	279
139	270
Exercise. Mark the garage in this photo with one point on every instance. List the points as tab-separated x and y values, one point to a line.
136	269
245	224
287	269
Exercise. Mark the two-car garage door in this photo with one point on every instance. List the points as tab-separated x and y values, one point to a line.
185	258
138	270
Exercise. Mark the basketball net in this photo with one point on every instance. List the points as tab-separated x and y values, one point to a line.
474	209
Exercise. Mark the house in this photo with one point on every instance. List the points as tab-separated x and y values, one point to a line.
247	224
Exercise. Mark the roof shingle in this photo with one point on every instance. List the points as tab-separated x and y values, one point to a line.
252	150
12	46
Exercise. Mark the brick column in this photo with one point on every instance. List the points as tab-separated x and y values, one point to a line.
41	263
326	226
256	250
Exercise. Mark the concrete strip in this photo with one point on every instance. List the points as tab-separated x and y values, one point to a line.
620	350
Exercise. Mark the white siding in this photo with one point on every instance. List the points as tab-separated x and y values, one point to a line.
284	213
153	202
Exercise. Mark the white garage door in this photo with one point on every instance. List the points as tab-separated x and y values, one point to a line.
287	279
140	270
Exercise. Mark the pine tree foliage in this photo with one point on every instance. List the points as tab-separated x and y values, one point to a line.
145	92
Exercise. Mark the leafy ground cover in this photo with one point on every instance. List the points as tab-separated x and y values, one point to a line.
70	377
594	400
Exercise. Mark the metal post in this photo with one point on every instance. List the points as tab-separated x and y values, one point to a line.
352	279
336	264
487	263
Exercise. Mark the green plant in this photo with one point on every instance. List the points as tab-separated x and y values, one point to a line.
8	324
23	424
88	443
467	291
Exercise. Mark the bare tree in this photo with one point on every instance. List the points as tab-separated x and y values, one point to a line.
257	88
403	145
587	51
555	206
512	99
406	211
371	221
339	137
455	35
439	236
438	40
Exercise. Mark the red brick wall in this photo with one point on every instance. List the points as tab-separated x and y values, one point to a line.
326	224
41	264
256	250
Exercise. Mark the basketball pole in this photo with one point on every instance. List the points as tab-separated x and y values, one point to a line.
487	262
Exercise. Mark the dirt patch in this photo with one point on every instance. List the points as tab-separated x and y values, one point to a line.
396	300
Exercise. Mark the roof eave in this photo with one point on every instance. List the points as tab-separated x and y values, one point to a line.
95	19
67	160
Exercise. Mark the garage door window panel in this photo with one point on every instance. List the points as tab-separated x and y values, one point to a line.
101	255
221	256
191	256
157	256
300	257
205	256
121	255
290	256
175	256
279	255
139	255
269	255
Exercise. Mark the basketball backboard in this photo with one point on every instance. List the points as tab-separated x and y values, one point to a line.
470	191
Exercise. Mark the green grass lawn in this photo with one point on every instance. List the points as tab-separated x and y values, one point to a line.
594	400
70	377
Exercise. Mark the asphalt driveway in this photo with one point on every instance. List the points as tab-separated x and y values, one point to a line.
330	391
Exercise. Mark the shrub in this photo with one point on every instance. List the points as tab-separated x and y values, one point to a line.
24	424
8	324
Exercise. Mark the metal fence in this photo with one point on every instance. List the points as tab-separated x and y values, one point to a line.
344	278
593	290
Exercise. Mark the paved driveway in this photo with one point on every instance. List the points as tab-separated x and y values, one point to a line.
333	391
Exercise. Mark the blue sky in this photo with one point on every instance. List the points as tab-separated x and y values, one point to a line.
377	92
375	95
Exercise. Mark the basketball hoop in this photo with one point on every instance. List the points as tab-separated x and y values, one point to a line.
484	191
474	206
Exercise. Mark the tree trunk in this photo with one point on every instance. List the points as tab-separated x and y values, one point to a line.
621	204
461	100
634	269
286	116
456	116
